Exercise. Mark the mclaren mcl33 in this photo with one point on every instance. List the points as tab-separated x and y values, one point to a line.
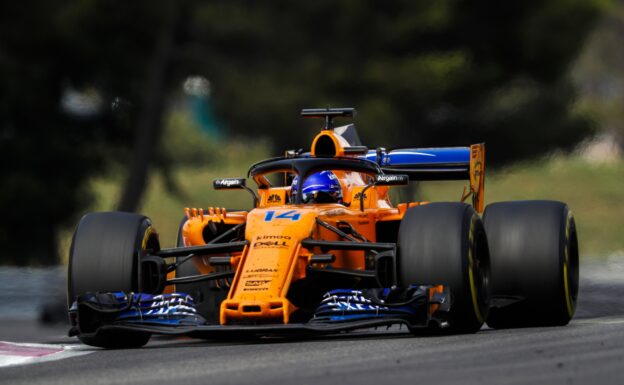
323	250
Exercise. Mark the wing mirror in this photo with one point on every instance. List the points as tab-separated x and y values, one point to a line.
391	180
234	184
229	184
384	180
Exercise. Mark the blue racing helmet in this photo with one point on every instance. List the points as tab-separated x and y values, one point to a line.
320	187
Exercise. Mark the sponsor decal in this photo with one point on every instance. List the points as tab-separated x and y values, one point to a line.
256	283
273	237
293	215
478	169
274	198
263	270
260	275
359	195
271	244
229	183
391	179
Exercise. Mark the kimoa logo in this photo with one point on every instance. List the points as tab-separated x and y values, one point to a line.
274	237
274	198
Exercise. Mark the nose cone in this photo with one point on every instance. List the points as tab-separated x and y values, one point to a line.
268	265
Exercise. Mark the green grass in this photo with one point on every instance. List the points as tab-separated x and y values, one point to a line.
593	192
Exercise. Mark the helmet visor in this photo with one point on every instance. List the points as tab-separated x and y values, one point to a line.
321	197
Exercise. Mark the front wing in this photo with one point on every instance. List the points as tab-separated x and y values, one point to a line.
248	331
93	318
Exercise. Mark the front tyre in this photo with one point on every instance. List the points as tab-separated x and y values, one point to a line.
445	243
105	256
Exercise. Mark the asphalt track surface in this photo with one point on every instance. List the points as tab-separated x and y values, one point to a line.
589	350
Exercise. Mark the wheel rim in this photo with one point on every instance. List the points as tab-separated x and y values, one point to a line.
479	273
149	243
570	265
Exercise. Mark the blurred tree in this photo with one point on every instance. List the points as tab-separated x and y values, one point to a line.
45	152
73	85
85	83
420	73
599	72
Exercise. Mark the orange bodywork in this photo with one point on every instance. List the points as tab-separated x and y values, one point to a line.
275	258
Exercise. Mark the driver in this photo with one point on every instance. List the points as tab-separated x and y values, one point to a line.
319	187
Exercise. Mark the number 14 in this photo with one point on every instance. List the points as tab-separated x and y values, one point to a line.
292	215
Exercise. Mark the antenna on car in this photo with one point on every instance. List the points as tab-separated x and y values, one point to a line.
328	114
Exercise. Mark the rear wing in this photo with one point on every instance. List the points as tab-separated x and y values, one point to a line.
445	163
425	164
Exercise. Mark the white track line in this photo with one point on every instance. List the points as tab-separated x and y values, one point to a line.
12	353
609	320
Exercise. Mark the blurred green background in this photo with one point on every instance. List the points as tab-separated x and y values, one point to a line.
137	106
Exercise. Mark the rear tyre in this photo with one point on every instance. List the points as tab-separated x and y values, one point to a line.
105	256
445	243
535	263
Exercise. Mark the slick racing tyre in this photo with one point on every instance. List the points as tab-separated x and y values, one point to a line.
534	261
105	256
445	243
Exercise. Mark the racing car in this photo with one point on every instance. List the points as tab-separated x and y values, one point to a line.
324	250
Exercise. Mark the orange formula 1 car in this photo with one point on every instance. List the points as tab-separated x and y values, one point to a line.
324	250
